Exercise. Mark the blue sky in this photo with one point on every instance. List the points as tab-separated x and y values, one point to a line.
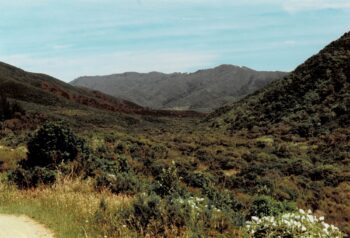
71	38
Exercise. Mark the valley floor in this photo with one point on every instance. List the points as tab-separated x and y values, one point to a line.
229	170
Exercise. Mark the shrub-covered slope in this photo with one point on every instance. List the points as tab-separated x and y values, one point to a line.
314	98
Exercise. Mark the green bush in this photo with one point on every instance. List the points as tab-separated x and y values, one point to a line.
9	110
93	166
48	150
145	210
168	182
159	152
52	145
32	178
175	216
197	180
221	199
125	183
298	167
324	172
267	206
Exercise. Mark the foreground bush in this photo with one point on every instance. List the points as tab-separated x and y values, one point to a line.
177	217
32	178
49	149
52	145
267	206
168	182
292	225
126	183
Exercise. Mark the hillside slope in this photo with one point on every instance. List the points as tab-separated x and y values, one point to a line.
313	98
45	90
203	90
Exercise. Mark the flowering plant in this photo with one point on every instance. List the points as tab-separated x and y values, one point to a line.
299	224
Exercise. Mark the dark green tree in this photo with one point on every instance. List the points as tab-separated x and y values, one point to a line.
9	110
53	144
5	108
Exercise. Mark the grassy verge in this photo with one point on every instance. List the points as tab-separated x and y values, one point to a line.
68	208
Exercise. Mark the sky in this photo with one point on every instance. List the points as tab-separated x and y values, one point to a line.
71	38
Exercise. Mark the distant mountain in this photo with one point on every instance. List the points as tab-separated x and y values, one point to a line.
45	90
314	98
203	90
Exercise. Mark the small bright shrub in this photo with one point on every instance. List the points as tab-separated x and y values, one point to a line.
168	182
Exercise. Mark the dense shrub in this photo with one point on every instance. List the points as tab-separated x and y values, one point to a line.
197	180
159	152
267	206
298	167
253	181
48	150
125	183
168	182
9	110
144	211
221	199
172	217
325	172
93	166
32	178
281	151
53	144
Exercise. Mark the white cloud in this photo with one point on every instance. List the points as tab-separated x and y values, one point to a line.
22	3
309	5
69	68
289	5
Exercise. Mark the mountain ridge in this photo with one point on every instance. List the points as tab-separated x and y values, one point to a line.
202	90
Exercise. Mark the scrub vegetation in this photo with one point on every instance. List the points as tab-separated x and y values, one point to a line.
250	170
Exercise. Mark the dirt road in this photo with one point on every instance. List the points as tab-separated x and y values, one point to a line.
22	227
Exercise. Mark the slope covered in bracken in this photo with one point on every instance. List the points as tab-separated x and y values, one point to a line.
309	110
314	98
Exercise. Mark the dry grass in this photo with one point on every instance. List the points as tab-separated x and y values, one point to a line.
10	156
68	208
